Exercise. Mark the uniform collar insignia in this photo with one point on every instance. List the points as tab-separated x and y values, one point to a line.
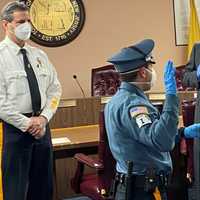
39	62
14	46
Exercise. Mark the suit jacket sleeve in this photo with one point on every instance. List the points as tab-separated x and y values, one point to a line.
190	77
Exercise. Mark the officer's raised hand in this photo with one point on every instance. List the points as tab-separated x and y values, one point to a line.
192	131
169	78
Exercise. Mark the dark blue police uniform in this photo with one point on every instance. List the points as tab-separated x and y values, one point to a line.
136	130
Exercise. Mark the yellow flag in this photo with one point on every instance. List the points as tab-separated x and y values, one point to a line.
194	29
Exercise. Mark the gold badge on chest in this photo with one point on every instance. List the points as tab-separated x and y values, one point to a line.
39	63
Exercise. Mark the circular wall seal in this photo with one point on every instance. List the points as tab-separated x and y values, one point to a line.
55	22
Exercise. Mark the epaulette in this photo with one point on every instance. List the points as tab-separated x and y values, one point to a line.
37	50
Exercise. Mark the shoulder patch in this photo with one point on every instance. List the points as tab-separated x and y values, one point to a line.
143	119
54	103
138	110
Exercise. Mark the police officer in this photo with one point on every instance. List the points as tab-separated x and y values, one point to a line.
30	94
136	130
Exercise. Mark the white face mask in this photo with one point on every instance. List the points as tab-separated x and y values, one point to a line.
153	78
23	31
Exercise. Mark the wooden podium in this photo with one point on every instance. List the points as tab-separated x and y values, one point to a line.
78	112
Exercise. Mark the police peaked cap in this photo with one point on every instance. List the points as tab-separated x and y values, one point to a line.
133	57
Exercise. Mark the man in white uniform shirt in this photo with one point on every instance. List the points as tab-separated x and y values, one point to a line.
29	96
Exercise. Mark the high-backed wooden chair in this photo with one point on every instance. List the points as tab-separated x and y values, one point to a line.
97	184
105	81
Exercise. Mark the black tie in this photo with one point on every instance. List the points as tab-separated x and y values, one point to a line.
33	84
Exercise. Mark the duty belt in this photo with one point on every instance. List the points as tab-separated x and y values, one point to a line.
145	181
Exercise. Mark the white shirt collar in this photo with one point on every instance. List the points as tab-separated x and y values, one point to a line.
14	46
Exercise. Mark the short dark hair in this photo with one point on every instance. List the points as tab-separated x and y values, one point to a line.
10	8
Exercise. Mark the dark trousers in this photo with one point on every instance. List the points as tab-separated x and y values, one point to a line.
137	194
26	165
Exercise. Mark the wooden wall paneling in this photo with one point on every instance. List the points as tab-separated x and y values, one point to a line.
85	112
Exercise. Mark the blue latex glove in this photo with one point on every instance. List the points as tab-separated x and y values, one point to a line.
169	78
192	131
198	72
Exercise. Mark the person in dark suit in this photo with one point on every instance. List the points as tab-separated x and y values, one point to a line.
191	78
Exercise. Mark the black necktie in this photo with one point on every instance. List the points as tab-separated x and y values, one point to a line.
33	84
